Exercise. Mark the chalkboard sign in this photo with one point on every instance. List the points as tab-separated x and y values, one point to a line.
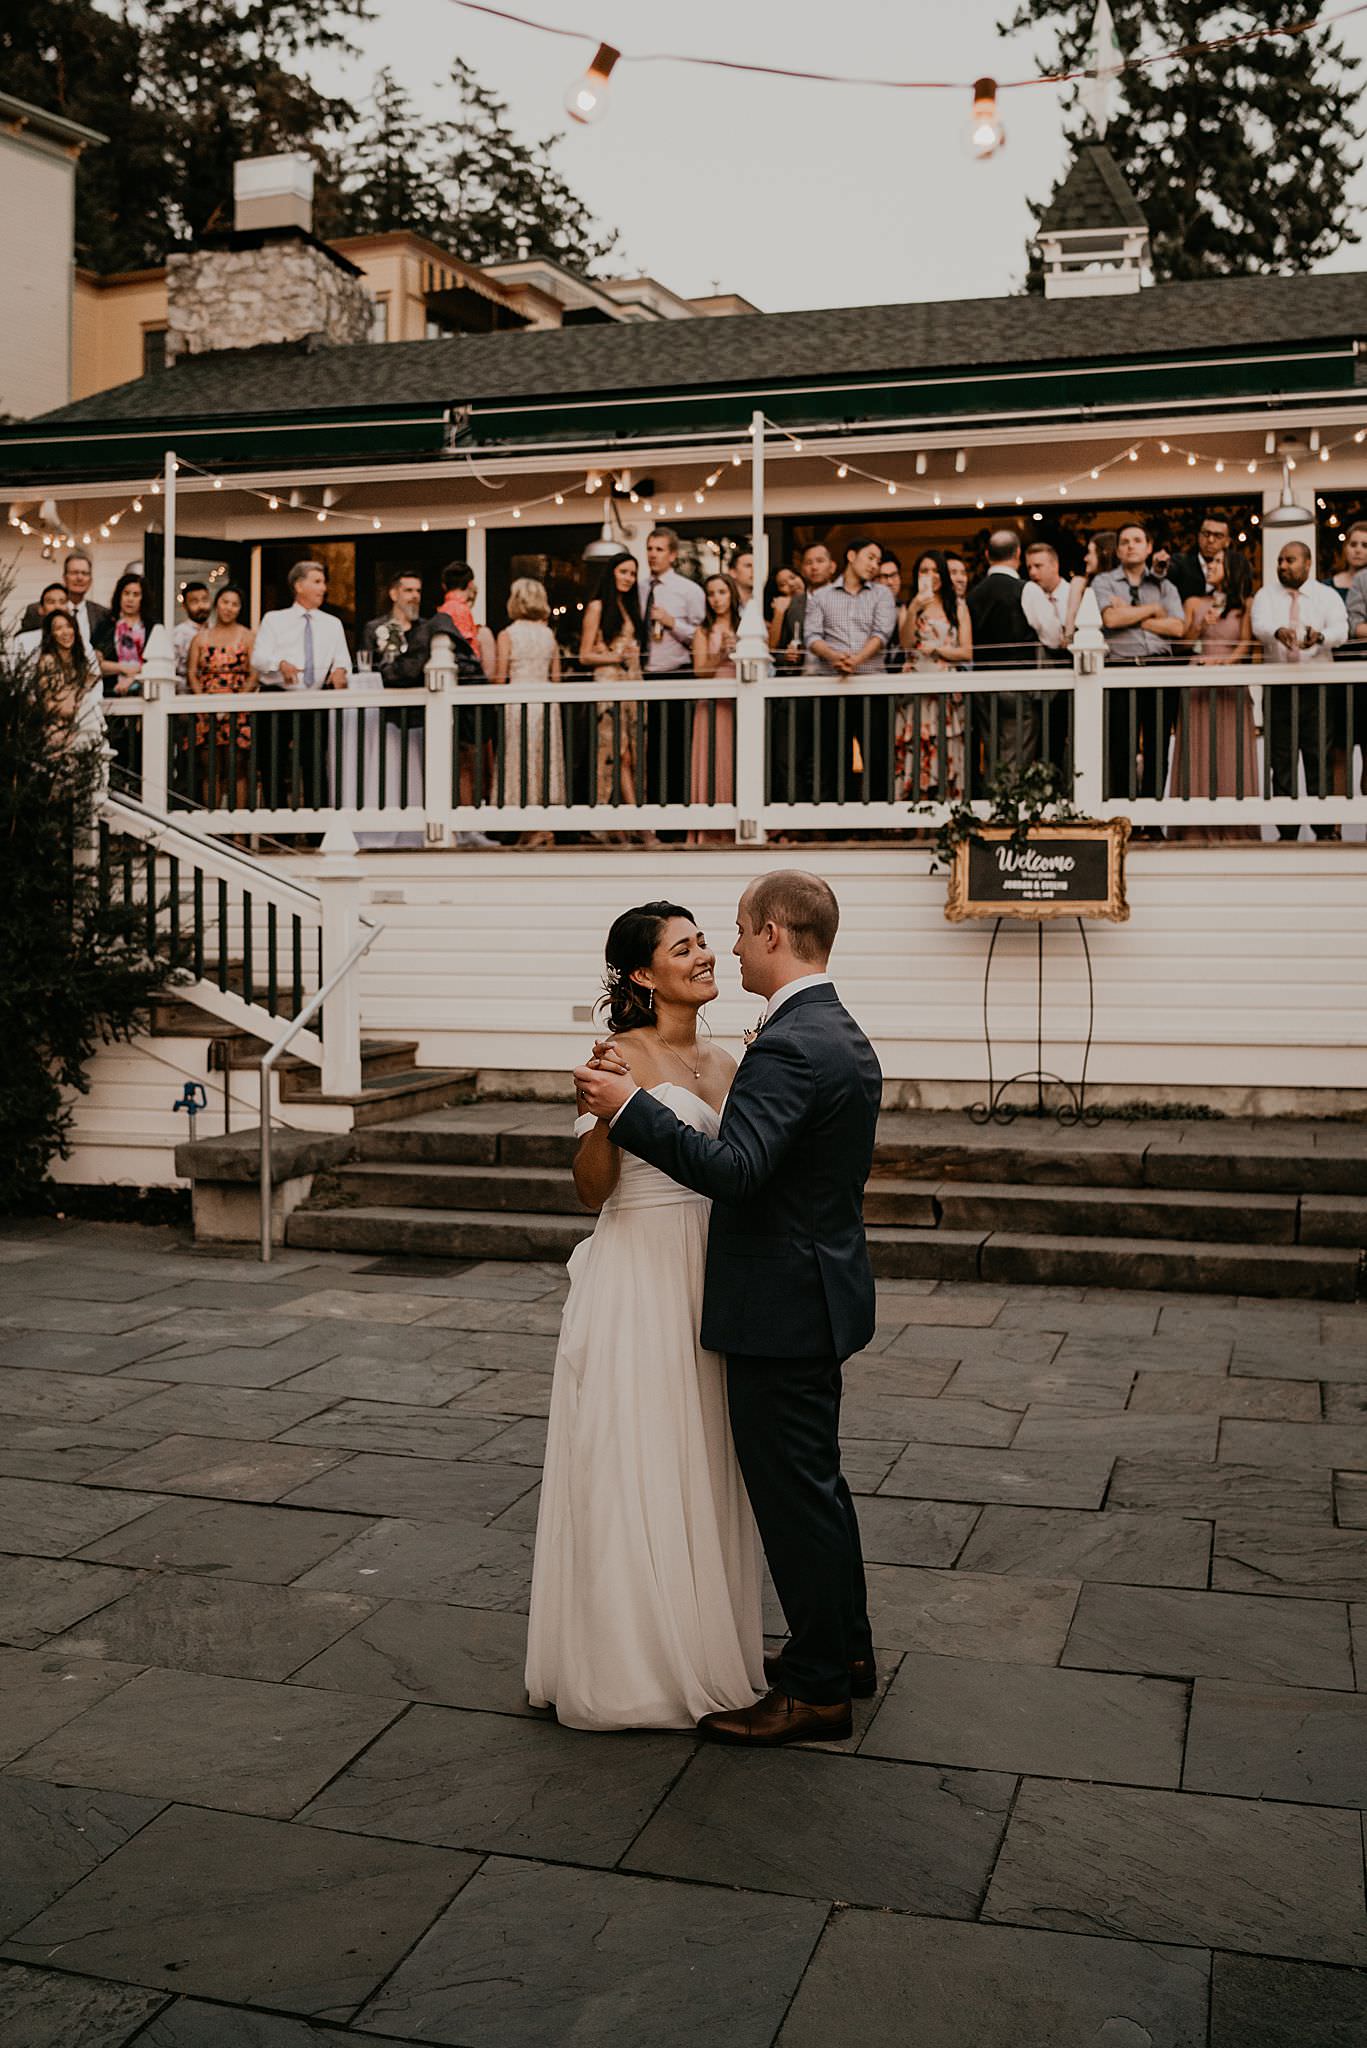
1060	871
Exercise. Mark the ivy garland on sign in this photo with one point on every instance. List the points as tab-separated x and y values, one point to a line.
1020	799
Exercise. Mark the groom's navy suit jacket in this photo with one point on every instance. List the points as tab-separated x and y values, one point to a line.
788	1271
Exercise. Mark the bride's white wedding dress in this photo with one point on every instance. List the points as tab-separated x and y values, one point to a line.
645	1609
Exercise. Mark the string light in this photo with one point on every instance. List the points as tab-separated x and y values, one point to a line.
750	70
588	96
985	131
843	470
922	462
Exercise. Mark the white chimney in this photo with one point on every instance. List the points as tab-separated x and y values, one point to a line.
273	192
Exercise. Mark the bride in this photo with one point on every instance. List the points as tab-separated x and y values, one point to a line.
645	1609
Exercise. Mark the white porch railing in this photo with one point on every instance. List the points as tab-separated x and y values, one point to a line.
776	753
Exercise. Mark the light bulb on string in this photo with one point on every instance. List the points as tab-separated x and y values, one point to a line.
892	490
471	520
1219	469
1134	455
517	511
1253	469
376	524
1191	462
981	504
960	462
1324	454
273	504
322	518
985	131
936	497
922	462
588	96
425	526
560	497
735	462
843	470
1163	448
137	504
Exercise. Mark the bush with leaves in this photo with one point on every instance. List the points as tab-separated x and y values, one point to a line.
75	968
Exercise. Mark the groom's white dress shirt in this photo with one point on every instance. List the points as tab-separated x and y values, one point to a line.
792	988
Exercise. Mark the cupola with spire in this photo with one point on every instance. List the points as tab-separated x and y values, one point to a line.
1093	238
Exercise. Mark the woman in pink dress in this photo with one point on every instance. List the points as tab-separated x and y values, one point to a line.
714	724
1214	751
937	638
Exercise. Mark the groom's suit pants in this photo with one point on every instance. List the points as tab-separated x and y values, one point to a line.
785	1421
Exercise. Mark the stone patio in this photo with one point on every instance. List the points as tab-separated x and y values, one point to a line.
268	1777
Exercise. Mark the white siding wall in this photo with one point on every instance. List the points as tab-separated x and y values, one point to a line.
1241	967
35	261
1239	981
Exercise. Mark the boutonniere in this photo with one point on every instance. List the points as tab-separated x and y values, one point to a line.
753	1033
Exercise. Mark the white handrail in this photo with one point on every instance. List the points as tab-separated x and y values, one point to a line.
269	1058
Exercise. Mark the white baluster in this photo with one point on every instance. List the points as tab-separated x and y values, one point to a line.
1089	726
158	688
438	769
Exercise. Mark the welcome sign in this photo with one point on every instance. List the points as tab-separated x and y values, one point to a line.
1059	871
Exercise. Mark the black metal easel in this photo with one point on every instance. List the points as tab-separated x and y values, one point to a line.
1073	1109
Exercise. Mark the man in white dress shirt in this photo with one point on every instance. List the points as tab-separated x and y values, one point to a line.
1300	621
301	647
672	609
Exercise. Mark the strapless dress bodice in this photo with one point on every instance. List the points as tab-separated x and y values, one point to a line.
642	1186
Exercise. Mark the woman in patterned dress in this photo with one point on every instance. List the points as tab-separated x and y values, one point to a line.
220	663
936	638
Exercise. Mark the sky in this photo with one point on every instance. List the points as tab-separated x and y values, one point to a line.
791	194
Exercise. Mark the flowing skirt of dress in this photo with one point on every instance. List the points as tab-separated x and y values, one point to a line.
645	1609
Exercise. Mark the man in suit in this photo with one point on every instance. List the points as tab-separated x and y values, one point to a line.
789	1289
672	609
77	578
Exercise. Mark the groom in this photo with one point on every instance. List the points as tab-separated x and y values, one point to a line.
789	1290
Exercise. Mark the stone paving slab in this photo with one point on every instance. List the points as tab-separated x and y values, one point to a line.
1191	1486
530	1956
1032	1719
376	1485
42	1519
1259	2002
41	1690
54	1836
220	1742
428	1650
41	1596
42	2010
1034	1478
995	1987
1263	1557
1056	1543
970	1614
1277	1742
503	1785
250	1910
456	1561
228	1540
225	1626
872	1833
220	1467
1180	1866
1211	1635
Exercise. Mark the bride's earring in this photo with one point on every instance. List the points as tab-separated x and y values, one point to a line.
650	999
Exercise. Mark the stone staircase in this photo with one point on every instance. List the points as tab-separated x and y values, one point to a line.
1230	1207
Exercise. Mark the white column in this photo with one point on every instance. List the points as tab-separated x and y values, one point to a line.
438	731
158	690
753	664
168	565
339	887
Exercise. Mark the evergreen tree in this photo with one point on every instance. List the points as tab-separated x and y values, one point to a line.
1241	157
394	167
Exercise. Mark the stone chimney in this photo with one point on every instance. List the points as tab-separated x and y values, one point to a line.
270	280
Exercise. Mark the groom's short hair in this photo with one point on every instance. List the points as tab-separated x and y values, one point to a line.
800	904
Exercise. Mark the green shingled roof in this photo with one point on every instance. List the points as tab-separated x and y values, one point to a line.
682	356
1094	194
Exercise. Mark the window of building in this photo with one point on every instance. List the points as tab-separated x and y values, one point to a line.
153	350
379	318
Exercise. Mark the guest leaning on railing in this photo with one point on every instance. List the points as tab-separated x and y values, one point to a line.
526	654
610	647
1215	750
937	638
1299	622
220	662
1141	616
299	647
714	724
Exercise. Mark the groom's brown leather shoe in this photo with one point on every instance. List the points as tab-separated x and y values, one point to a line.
778	1718
863	1674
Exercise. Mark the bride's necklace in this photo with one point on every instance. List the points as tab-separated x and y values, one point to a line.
696	1072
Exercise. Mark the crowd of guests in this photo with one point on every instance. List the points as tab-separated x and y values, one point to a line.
862	614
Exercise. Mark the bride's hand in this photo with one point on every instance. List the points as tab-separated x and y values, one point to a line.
607	1057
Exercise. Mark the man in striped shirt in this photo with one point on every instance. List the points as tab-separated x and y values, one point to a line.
849	624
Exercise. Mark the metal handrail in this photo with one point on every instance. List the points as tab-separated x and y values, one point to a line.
269	1058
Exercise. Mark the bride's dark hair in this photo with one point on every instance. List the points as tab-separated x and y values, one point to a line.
630	946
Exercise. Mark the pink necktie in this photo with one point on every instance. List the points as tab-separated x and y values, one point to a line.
1295	652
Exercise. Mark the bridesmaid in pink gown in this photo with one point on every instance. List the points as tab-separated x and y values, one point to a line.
713	777
1215	727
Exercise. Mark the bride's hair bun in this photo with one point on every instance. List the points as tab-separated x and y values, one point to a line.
630	946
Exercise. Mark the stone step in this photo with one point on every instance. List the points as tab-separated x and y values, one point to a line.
1334	1219
389	1095
536	1136
438	1233
1311	1272
403	1184
908	1203
1125	1212
902	1254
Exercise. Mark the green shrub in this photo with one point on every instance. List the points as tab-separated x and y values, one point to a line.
74	970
